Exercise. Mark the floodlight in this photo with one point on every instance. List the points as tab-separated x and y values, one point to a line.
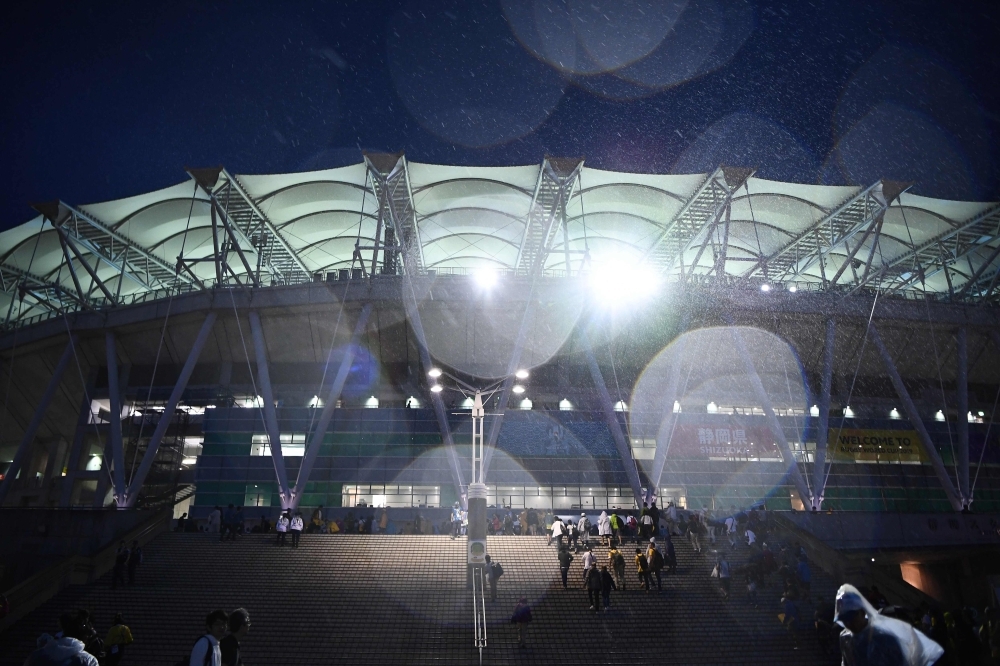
521	374
485	278
437	388
793	289
518	389
434	373
765	287
623	280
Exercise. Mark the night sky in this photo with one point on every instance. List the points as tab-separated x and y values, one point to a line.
106	100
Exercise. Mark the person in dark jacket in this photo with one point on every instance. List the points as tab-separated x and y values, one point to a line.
134	560
521	617
564	560
121	559
607	584
593	584
229	647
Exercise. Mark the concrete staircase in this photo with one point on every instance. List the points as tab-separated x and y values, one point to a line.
402	600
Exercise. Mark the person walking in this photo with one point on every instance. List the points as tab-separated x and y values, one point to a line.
238	524
281	528
607	584
532	522
493	573
206	651
521	618
564	561
558	532
593	584
645	524
616	529
134	560
642	569
694	532
229	647
228	522
723	574
119	636
295	527
215	520
655	561
588	561
583	525
671	557
617	562
121	560
604	528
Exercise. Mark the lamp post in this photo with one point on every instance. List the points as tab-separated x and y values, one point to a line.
477	492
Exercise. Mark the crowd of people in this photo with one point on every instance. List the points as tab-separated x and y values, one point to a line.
78	643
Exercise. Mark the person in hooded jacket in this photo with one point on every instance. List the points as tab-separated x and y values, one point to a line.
604	528
871	639
68	650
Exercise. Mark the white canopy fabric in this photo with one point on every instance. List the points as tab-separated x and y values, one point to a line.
286	228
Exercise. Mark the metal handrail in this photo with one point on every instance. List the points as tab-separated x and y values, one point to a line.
479	604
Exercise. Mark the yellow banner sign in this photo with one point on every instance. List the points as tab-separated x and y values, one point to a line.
876	445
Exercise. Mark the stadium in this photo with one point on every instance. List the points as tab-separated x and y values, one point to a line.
716	340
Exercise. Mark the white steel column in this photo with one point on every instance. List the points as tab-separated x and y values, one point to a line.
316	438
914	416
132	494
36	420
823	427
270	414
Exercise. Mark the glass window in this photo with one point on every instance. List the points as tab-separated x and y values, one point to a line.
292	444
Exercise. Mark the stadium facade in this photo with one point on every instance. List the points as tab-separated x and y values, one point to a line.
716	339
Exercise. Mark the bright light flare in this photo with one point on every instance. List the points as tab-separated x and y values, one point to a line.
485	278
434	373
518	389
436	388
623	281
765	288
521	374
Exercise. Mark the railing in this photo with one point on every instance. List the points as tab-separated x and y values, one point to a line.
479	609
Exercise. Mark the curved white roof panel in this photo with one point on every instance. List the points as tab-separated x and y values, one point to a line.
555	218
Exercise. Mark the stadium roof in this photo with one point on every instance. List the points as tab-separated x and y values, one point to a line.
559	217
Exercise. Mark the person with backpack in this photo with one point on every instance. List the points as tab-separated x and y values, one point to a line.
134	560
607	584
119	636
632	526
521	617
229	647
121	560
645	523
206	650
572	536
583	525
588	562
281	527
642	569
617	562
493	573
616	528
592	583
655	560
564	561
295	527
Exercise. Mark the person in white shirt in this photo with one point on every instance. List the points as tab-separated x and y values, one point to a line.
215	520
751	537
206	650
296	529
584	526
281	528
558	531
588	562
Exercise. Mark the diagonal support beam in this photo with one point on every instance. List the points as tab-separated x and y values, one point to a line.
666	430
916	421
36	421
132	494
270	413
798	480
608	408
336	388
115	400
823	429
386	171
962	381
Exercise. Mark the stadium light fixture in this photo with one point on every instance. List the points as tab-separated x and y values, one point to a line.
622	280
434	373
518	389
793	289
765	288
521	374
437	388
